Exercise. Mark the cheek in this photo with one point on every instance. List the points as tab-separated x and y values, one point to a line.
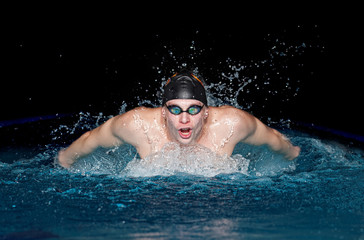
171	125
171	121
197	123
172	129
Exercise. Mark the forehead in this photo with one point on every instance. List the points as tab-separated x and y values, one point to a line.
184	102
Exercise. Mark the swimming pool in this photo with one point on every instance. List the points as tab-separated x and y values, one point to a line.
110	195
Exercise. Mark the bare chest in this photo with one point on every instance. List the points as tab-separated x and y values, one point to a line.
219	137
153	136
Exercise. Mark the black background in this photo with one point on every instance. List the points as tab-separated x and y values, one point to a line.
60	61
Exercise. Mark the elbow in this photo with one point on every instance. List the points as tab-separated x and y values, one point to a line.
85	137
86	134
86	141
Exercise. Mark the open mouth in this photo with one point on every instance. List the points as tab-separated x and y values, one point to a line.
185	133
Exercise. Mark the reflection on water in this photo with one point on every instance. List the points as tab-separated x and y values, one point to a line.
255	194
189	192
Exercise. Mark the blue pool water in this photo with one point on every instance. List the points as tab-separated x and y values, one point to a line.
187	193
110	195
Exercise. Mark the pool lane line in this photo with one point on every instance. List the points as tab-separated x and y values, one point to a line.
19	121
341	133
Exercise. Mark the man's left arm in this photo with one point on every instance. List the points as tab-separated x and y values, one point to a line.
260	134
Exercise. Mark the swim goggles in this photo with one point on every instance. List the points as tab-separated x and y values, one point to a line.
192	110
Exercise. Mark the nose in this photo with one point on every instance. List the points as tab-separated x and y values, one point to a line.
184	118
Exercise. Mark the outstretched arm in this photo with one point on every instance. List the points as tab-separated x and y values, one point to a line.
258	133
102	136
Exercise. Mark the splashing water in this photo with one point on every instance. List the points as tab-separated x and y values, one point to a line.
235	82
196	160
188	191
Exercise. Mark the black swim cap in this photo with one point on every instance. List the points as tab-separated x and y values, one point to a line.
184	85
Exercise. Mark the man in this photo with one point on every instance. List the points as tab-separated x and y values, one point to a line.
184	118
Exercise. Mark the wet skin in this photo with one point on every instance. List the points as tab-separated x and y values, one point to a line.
184	128
149	129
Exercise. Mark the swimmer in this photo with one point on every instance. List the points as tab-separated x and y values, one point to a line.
184	118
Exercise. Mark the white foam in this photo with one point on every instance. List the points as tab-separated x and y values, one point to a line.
197	160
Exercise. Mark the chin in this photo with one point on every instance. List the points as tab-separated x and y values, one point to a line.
185	141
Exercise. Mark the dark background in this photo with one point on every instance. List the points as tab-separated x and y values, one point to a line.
62	62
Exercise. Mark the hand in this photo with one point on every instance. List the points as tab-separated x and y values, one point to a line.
62	159
293	153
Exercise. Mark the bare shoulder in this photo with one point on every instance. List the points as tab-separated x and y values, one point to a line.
243	122
135	116
229	113
130	126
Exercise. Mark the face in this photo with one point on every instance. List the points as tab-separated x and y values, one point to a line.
184	127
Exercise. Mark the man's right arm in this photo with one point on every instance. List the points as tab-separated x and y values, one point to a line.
102	136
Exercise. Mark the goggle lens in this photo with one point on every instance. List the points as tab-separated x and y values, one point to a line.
175	110
193	110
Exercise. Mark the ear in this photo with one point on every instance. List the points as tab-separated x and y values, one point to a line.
206	114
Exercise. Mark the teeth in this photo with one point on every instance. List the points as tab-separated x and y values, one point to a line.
185	131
